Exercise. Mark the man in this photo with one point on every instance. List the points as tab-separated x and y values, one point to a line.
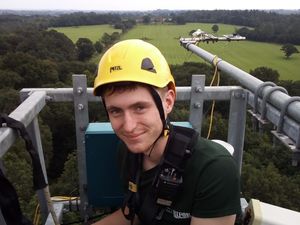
173	175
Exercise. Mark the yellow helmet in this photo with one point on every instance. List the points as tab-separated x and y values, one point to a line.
134	60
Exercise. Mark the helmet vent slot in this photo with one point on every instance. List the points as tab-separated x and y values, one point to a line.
148	65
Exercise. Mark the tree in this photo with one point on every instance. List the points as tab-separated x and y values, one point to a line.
85	48
215	28
9	100
289	50
146	19
265	74
98	47
10	79
106	39
33	71
115	36
67	183
180	20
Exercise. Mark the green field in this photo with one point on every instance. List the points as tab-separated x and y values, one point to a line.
92	32
246	54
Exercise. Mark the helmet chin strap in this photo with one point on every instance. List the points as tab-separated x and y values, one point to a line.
159	105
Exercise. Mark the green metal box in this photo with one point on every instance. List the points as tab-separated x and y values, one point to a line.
103	182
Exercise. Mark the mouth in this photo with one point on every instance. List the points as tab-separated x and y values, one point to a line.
133	137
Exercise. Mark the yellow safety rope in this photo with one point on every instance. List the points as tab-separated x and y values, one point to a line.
216	77
37	214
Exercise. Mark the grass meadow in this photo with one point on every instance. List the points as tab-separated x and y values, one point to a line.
245	55
92	32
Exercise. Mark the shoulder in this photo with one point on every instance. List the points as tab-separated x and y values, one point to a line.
209	164
206	152
216	180
204	145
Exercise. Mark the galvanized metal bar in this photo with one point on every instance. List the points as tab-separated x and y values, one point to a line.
283	112
35	135
58	209
25	113
220	93
60	94
81	120
53	94
196	102
267	96
277	99
257	93
183	93
34	132
237	124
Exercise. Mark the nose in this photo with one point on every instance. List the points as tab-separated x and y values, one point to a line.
129	122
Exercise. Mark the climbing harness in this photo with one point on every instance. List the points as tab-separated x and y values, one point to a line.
167	181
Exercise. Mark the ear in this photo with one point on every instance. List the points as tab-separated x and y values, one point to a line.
169	100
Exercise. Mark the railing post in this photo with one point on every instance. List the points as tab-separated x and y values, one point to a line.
196	102
34	132
81	123
237	123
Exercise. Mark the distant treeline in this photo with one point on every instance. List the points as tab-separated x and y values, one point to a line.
256	25
80	18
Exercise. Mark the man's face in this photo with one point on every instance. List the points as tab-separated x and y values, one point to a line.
135	117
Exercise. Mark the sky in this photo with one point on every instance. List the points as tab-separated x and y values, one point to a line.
146	4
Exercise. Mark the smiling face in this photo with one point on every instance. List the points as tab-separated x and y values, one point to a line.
135	118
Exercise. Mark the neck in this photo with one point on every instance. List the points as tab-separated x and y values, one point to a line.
157	152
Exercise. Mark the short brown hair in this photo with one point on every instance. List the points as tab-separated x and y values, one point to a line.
111	88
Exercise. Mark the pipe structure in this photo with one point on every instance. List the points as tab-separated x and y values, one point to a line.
277	98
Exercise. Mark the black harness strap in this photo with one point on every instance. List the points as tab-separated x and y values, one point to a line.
38	176
131	199
168	179
9	203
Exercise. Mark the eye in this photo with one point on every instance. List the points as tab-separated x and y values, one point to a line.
139	108
114	112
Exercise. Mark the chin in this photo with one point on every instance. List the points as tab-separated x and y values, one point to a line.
135	148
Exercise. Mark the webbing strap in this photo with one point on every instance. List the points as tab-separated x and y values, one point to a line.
132	197
9	202
38	176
